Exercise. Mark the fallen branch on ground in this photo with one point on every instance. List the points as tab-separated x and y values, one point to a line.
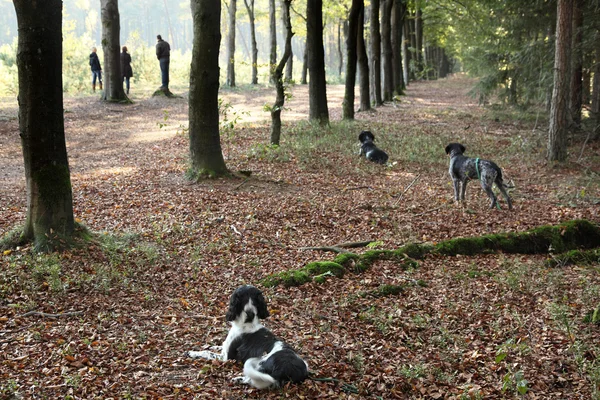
406	190
47	315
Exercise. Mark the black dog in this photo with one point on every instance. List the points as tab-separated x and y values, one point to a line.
268	361
368	148
463	169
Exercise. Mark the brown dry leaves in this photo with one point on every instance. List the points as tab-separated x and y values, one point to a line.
166	291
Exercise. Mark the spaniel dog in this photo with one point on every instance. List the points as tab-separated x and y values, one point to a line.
368	148
268	362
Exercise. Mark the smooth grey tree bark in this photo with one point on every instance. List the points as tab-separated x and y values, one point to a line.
205	144
278	75
230	81
250	8
317	88
111	30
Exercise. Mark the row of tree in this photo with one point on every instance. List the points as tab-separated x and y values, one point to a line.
377	56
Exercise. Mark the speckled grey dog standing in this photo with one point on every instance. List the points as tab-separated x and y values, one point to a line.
463	169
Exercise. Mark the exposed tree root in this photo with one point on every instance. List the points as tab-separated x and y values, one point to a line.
570	235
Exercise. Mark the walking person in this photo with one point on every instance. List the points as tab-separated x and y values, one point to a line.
96	69
126	70
163	53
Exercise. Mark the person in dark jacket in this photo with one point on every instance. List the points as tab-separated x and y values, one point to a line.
126	70
163	53
96	69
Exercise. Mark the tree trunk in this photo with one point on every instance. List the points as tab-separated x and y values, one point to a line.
304	77
376	51
405	50
250	9
231	44
111	30
386	43
289	64
419	41
398	13
50	223
339	47
577	64
363	61
280	100
317	89
205	144
557	135
351	56
272	41
595	100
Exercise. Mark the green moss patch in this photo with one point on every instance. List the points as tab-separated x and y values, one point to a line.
578	257
319	270
384	291
567	236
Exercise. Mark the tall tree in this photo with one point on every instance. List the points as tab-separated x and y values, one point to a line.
363	62
557	135
272	41
250	8
111	31
231	44
376	52
41	124
398	14
278	75
317	88
351	56
576	86
419	41
205	143
289	64
386	44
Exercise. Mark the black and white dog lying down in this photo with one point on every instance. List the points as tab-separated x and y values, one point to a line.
268	362
368	148
462	169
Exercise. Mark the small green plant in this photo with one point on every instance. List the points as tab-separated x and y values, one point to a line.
515	382
9	389
511	346
357	360
163	123
413	371
561	315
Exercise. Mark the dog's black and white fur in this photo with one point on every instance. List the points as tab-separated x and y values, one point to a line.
268	362
463	169
368	148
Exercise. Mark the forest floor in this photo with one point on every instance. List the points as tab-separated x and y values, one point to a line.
167	253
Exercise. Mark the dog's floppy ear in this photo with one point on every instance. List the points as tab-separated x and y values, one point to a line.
366	135
448	148
235	306
261	306
462	148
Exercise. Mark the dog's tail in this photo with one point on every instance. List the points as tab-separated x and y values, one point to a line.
258	379
500	180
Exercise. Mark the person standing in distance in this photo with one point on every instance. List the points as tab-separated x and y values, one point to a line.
163	51
126	70
96	69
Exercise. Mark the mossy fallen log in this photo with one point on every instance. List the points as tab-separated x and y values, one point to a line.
567	236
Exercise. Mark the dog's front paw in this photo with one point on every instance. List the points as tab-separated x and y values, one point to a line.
241	380
216	349
202	354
